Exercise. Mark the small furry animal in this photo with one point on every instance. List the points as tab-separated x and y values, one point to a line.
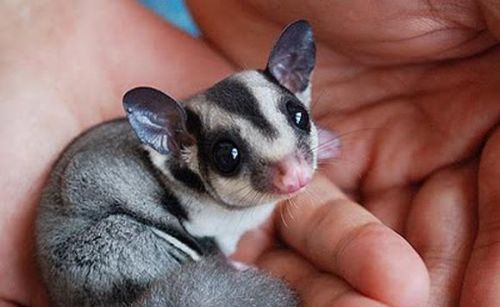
143	211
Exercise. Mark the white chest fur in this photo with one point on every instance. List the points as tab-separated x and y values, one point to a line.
226	226
208	219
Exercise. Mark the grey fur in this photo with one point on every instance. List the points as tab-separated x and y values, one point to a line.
103	251
213	282
123	224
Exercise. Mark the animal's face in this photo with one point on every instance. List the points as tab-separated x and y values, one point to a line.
255	141
247	140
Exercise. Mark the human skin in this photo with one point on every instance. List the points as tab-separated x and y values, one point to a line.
411	87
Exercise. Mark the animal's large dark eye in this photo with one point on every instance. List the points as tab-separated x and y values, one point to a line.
298	115
226	157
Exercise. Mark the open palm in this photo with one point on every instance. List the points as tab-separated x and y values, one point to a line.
416	103
416	120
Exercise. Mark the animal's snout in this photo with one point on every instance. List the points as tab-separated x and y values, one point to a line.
291	174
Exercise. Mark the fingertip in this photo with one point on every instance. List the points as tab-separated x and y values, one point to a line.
384	266
341	237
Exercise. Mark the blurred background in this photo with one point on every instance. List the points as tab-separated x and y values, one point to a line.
174	11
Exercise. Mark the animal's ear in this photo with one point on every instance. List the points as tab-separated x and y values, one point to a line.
293	57
158	120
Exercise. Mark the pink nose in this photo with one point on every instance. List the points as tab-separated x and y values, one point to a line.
291	174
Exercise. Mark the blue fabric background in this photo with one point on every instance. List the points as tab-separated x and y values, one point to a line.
174	11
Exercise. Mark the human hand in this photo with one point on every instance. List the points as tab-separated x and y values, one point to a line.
413	90
64	67
77	61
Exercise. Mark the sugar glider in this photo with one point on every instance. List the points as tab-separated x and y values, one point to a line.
141	211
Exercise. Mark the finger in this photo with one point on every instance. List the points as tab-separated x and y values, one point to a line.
313	287
441	227
342	238
254	243
481	287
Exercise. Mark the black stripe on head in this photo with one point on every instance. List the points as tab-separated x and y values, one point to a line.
182	173
195	127
234	97
188	178
193	124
